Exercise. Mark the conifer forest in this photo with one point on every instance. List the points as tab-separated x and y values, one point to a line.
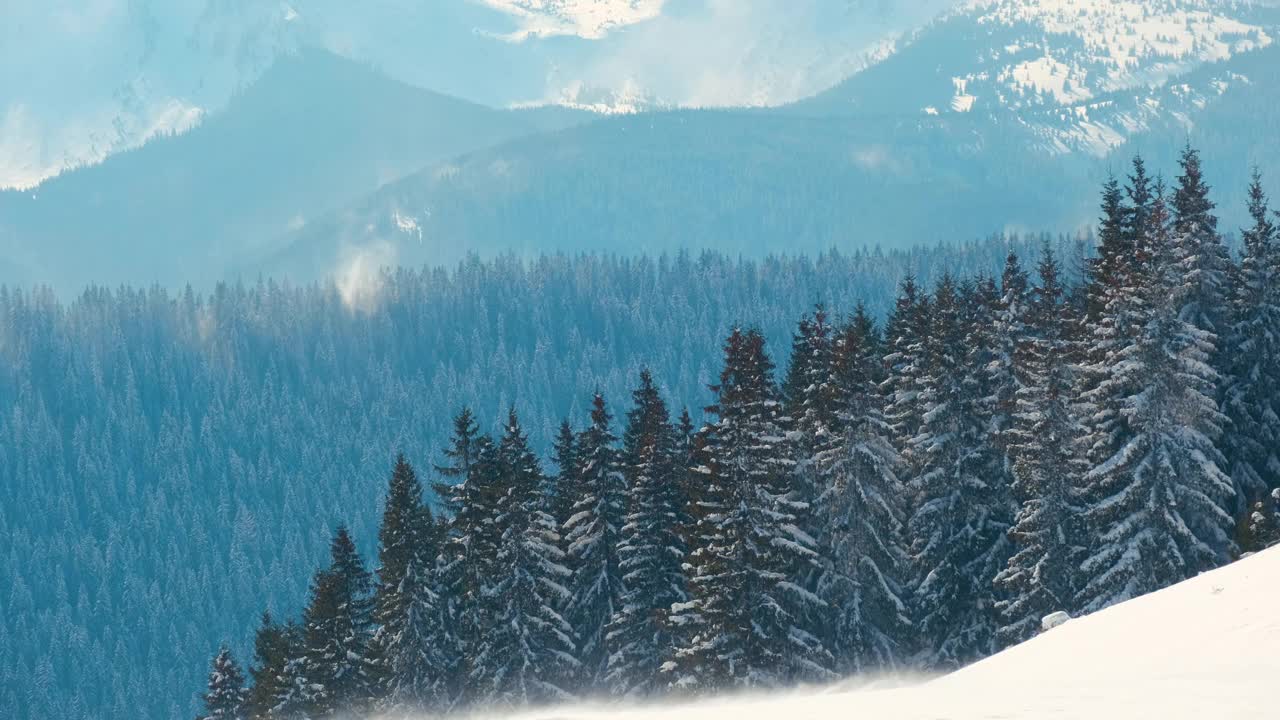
915	487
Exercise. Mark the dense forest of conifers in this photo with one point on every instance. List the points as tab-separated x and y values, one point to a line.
170	460
916	493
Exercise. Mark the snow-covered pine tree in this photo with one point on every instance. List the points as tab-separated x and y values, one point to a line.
1154	507
337	631
958	527
1006	372
271	652
295	693
225	698
407	653
1252	386
813	431
524	651
905	335
593	534
750	550
321	635
565	455
455	573
863	511
651	550
1046	442
1116	253
474	540
689	668
1205	258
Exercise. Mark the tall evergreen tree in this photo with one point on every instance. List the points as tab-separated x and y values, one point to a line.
1116	253
1006	370
651	548
1120	286
565	456
959	525
594	533
473	542
271	653
524	652
411	668
862	511
225	698
337	630
813	432
749	551
1252	386
1204	257
1046	443
295	694
467	455
905	348
1154	507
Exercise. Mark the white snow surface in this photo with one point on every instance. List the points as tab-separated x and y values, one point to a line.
590	19
1206	648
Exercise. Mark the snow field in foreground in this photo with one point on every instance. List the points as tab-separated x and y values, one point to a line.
1206	649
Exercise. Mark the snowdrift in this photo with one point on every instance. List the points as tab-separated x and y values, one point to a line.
1206	648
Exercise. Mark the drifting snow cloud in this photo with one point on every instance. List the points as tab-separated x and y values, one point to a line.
360	275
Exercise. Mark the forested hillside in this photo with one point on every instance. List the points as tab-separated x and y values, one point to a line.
912	497
173	462
916	494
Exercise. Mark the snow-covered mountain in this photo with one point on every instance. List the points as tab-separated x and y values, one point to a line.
81	81
1084	75
1205	648
1001	115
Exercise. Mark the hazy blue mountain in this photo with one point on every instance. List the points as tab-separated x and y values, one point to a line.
1003	115
315	133
747	182
1000	116
95	78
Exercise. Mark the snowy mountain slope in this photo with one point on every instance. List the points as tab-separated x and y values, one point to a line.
1085	76
1205	648
80	81
313	135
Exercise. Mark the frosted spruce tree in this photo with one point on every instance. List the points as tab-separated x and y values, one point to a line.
1006	371
749	554
593	535
463	538
651	549
337	631
905	335
1251	397
862	511
1203	256
225	698
1118	310
813	432
1154	507
271	652
523	651
411	669
960	520
1046	444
